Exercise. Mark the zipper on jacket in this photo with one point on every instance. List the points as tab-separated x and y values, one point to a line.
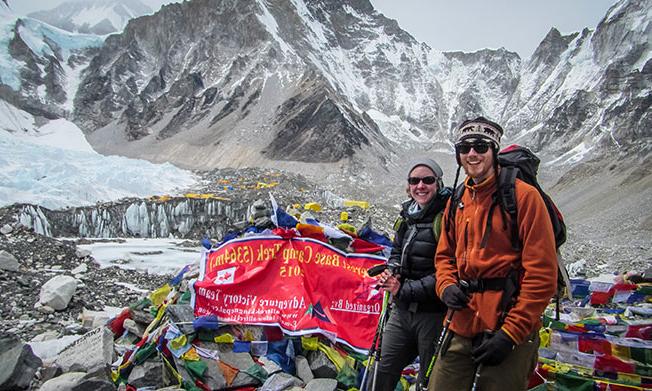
466	237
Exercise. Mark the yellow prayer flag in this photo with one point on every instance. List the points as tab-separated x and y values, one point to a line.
621	351
191	355
544	336
158	296
224	338
309	343
178	342
333	355
313	206
248	336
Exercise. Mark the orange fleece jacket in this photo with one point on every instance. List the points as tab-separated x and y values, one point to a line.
459	256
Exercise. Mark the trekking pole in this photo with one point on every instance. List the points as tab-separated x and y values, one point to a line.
380	344
440	342
476	377
375	347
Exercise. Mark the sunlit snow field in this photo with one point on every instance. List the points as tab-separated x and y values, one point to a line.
156	256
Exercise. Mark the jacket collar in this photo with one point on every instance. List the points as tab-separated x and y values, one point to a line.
488	184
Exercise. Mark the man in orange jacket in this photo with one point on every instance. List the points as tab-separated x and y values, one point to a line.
497	292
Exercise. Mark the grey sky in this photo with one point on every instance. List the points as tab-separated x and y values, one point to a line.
466	25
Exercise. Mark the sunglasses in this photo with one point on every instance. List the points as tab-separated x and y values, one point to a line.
428	180
478	147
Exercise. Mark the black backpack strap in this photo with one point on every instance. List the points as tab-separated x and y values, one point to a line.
454	205
507	189
487	228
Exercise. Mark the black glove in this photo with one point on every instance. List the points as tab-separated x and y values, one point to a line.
493	350
454	298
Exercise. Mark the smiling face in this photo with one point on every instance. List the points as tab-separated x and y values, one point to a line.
422	192
479	166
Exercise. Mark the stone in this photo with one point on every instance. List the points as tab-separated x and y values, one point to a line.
6	229
82	268
243	362
93	319
133	327
57	292
18	364
321	385
213	376
281	381
49	372
321	365
142	317
46	336
148	374
94	349
8	261
45	309
94	385
80	253
182	315
269	366
63	382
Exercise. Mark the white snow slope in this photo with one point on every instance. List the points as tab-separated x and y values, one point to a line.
54	166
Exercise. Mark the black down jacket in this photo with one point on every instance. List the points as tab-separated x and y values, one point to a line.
414	249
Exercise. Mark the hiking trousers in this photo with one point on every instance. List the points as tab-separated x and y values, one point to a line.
407	335
454	369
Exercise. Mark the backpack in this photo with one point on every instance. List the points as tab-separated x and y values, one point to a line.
519	162
436	225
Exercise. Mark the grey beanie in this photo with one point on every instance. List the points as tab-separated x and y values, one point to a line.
431	164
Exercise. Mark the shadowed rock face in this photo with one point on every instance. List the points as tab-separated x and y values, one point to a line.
314	126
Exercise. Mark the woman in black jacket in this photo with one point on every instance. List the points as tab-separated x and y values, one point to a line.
417	313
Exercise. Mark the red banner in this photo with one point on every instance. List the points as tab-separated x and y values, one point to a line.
301	285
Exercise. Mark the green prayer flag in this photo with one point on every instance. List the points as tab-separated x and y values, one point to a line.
144	353
569	382
347	377
256	371
196	368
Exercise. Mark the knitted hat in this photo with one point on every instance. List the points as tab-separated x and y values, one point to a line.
480	128
432	165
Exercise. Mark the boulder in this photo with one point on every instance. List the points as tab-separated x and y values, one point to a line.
321	385
82	253
321	365
281	381
57	292
133	327
80	269
65	382
183	315
148	374
213	377
6	229
94	349
303	369
8	261
94	384
18	364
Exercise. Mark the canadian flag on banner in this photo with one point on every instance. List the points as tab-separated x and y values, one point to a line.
225	276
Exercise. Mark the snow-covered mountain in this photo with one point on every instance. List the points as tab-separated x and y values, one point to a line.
93	16
589	89
209	83
40	65
212	83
